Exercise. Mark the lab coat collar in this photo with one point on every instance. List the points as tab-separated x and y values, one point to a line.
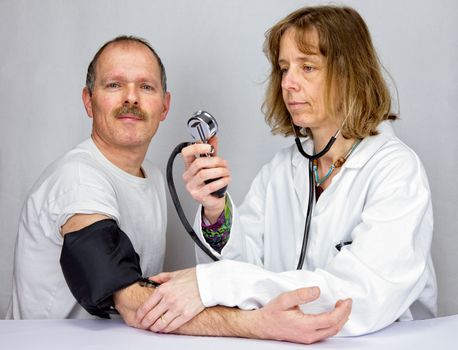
361	155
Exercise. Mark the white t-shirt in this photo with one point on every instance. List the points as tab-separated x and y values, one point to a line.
82	181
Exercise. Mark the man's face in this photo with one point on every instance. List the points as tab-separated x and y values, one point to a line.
127	101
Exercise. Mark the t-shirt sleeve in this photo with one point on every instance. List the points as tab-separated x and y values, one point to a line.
77	189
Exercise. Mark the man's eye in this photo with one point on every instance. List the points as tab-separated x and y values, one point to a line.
112	85
148	87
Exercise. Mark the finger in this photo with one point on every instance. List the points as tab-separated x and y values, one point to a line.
344	320
215	185
153	316
205	163
201	191
214	142
162	277
317	335
205	177
334	317
213	173
196	166
175	324
163	322
288	300
190	153
146	307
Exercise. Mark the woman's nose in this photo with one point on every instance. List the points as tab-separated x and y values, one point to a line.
289	81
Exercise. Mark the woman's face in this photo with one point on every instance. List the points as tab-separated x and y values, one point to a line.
303	81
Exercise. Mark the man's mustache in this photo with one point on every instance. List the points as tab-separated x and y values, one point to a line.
129	110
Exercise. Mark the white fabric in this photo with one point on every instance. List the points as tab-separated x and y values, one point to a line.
380	200
82	181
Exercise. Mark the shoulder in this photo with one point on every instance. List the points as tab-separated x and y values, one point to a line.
76	167
81	167
282	159
386	158
278	168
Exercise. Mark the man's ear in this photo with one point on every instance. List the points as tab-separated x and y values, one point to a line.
87	101
166	102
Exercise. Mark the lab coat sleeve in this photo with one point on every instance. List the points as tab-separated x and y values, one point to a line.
243	245
383	271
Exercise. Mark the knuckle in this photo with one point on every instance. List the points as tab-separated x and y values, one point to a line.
308	339
142	311
335	329
148	320
197	164
172	302
194	193
282	301
201	176
334	319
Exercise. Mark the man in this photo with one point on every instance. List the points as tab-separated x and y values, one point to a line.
102	203
105	177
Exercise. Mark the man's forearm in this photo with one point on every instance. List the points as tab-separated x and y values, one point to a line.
129	299
222	322
280	319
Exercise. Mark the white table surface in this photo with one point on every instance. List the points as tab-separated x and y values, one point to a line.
434	334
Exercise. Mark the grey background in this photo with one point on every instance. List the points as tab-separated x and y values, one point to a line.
212	50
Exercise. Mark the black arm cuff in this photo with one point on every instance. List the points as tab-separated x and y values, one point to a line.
97	261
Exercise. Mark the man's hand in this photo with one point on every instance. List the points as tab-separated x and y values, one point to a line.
282	319
175	302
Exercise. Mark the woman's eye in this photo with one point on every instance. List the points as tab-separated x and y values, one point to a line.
308	68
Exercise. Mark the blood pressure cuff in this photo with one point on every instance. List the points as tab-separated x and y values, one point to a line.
97	261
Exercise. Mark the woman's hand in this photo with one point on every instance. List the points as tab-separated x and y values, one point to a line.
199	169
282	319
174	302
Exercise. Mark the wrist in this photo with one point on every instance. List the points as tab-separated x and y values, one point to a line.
132	296
212	214
251	324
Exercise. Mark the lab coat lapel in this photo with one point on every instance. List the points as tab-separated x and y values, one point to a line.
301	174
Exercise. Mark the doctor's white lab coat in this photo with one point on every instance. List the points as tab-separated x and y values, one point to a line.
380	200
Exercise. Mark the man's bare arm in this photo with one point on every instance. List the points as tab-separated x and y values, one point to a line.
129	299
281	319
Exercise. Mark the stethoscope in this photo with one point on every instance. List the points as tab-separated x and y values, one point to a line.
203	126
311	158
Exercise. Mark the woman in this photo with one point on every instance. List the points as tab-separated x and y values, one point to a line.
371	226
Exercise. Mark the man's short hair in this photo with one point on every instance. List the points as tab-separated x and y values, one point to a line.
91	71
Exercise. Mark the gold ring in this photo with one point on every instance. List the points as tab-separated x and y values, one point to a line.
163	319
